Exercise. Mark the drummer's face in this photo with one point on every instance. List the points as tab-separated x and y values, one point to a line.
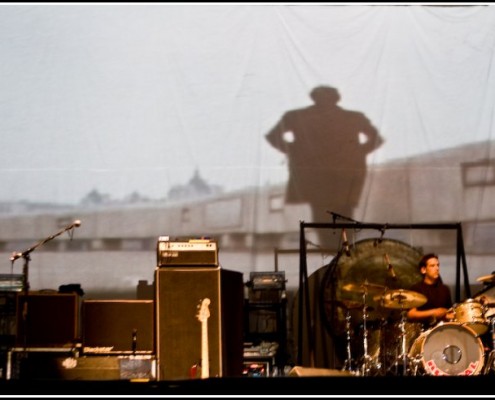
432	269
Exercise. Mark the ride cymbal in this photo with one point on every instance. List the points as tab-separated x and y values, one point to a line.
402	299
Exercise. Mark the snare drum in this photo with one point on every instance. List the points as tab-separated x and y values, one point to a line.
471	313
449	349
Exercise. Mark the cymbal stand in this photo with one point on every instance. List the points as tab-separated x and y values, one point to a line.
489	364
366	366
348	362
403	356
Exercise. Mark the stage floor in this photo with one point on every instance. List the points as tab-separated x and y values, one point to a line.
330	386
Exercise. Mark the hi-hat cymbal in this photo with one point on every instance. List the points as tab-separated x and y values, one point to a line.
364	287
402	299
486	278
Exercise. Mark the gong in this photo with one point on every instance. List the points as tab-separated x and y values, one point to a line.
362	278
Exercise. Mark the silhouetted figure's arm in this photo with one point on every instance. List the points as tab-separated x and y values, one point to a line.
279	135
373	138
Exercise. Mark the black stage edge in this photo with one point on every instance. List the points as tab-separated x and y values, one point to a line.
456	386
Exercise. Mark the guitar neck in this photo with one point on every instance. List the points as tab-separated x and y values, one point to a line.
205	365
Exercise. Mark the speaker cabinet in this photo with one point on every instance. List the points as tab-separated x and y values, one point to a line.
57	364
181	328
119	325
47	319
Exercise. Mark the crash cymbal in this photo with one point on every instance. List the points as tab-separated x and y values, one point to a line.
364	287
486	278
402	299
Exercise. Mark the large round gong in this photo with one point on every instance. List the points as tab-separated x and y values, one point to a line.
354	285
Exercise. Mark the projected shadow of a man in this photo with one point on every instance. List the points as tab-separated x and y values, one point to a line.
326	148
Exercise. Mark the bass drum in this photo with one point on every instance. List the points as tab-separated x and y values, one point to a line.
449	349
366	264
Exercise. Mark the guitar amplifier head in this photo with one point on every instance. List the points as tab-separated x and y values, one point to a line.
11	282
267	280
266	287
193	252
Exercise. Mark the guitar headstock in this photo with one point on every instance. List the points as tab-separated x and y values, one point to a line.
204	311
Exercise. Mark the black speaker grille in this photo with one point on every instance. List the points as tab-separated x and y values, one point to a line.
117	326
179	293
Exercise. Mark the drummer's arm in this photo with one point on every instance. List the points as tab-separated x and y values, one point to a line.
434	314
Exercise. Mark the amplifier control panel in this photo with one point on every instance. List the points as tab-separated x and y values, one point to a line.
192	252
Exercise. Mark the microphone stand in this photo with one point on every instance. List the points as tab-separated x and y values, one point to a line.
25	284
25	273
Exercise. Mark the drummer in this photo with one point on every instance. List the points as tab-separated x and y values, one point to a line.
438	306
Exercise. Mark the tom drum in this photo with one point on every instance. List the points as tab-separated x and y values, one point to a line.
471	313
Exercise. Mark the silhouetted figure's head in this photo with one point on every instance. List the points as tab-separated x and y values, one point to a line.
325	94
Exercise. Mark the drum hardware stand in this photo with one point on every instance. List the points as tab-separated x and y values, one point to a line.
403	356
348	362
366	366
416	362
489	365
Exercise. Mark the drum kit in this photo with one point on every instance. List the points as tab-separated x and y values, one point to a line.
399	299
449	348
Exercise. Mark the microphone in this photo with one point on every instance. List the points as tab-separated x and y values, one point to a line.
70	228
390	268
345	243
15	256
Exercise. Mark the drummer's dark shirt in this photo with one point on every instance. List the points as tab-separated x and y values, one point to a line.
437	295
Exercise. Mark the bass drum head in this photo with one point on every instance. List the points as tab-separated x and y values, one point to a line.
452	349
342	286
